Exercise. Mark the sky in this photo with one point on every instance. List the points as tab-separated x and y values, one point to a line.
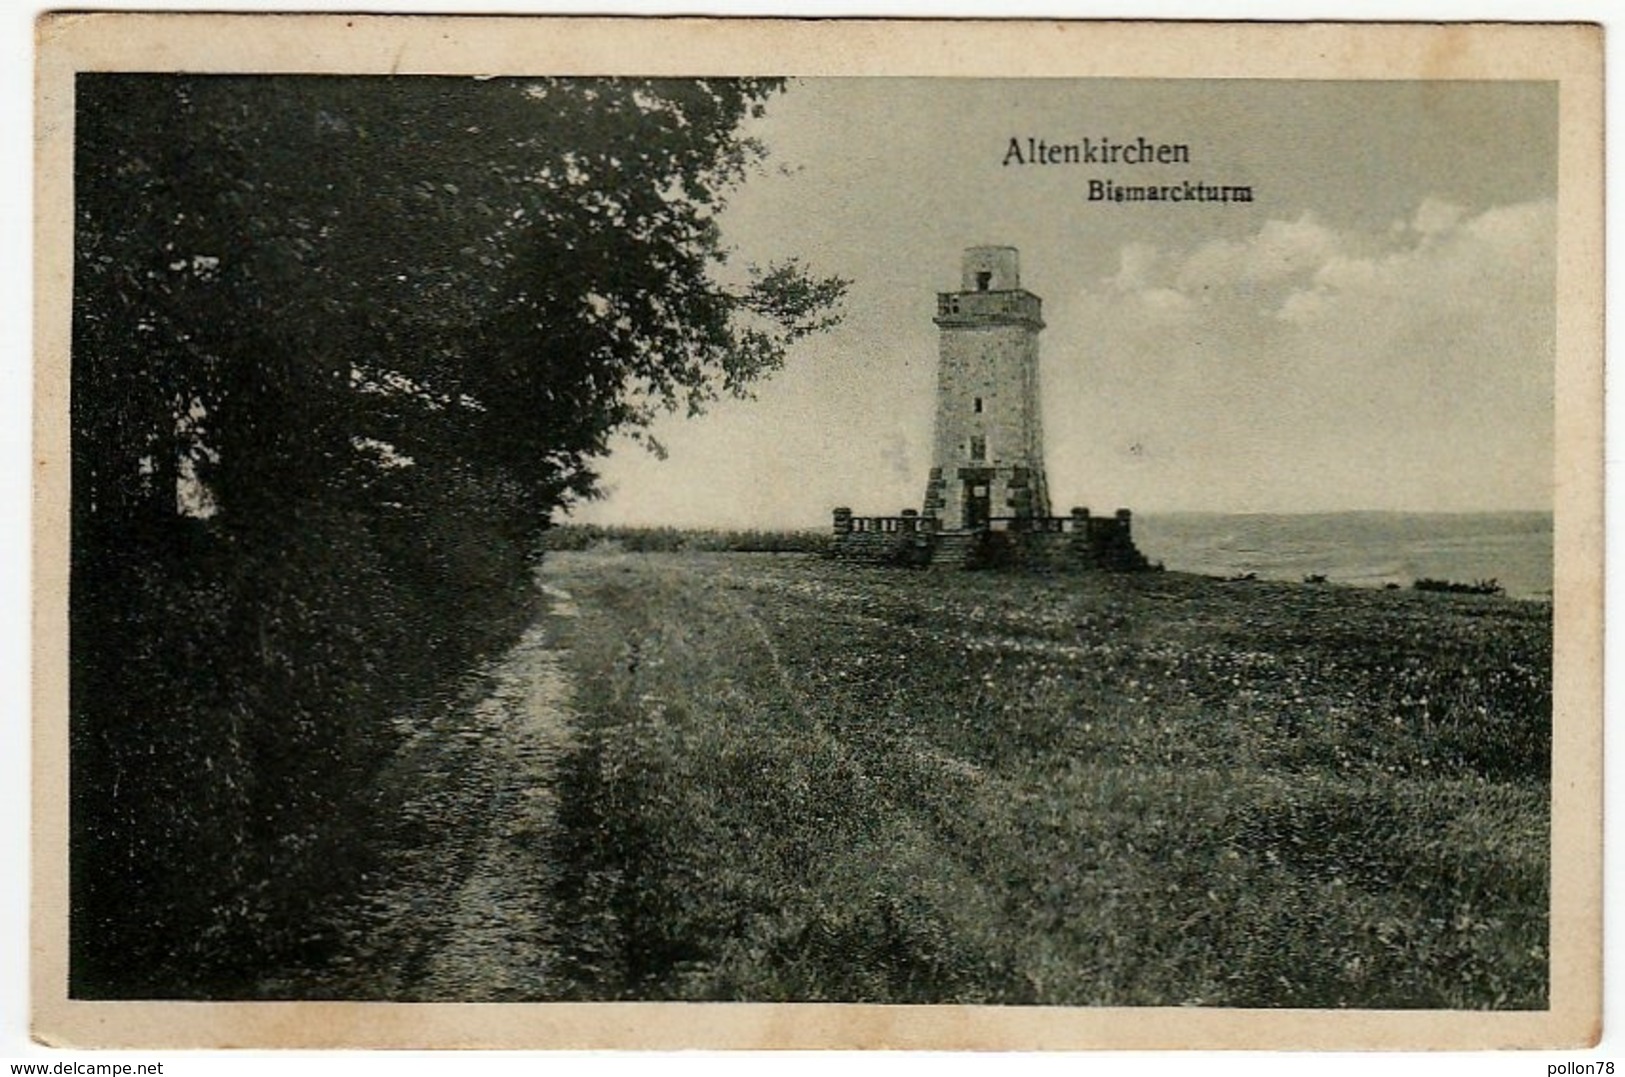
1374	331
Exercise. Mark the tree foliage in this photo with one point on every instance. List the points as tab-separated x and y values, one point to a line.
341	348
272	270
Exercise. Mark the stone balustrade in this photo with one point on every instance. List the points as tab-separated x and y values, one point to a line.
1050	543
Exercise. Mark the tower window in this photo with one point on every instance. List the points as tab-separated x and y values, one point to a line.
983	281
976	405
978	447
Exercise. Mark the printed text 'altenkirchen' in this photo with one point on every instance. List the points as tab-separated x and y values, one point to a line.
1096	151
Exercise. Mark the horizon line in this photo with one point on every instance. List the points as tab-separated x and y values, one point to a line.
567	519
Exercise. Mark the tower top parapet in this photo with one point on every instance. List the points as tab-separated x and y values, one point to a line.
990	269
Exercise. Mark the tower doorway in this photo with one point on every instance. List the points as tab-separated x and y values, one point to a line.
978	501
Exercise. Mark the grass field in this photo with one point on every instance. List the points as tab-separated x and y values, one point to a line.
794	780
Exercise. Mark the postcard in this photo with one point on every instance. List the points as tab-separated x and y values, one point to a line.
663	533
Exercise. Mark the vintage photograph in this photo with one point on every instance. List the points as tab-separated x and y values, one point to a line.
956	539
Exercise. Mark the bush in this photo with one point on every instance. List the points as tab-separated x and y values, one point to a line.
1477	587
680	540
228	707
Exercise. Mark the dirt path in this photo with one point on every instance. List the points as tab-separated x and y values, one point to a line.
496	944
457	907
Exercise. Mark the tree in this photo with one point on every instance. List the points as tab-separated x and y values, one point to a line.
342	347
312	262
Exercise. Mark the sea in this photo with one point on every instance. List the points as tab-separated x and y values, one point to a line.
1366	549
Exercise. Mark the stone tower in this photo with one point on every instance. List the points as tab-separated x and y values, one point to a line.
988	448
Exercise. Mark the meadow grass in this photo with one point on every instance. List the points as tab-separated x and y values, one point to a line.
804	781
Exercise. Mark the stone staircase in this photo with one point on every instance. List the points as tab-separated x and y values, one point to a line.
957	549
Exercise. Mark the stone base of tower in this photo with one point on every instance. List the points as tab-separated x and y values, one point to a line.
974	495
1106	549
1047	544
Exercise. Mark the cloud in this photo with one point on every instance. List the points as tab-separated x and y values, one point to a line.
1446	261
1166	300
1304	366
1280	250
1137	264
1435	216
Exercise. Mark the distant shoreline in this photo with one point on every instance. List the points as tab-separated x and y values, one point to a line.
1447	513
1370	549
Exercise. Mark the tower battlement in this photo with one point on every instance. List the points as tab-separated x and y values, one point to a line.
958	309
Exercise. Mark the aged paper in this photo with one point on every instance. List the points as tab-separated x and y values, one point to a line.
1551	78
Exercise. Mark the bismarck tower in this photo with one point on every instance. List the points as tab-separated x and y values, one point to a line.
987	498
987	458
